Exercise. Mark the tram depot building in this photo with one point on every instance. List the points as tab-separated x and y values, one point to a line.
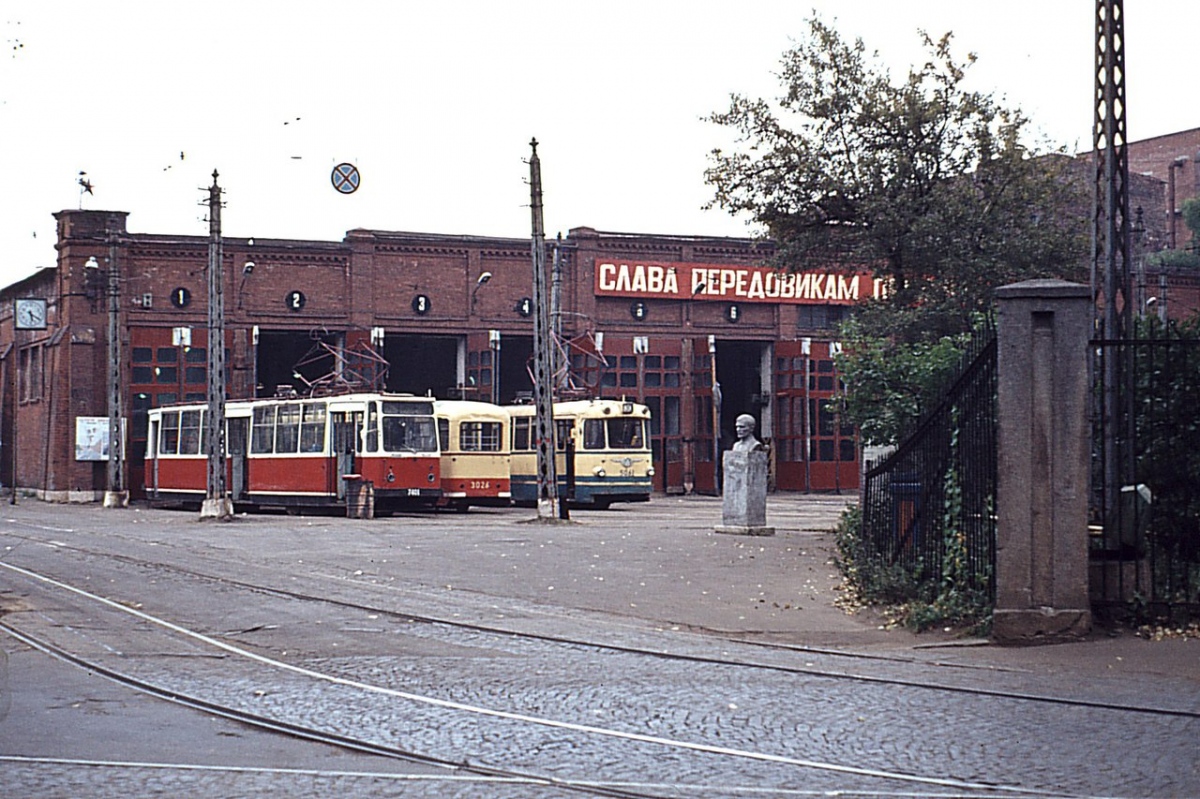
662	320
656	319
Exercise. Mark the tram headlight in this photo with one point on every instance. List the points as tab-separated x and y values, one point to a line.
650	471
599	471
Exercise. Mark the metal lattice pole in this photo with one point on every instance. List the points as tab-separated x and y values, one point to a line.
116	496
216	503
1111	261
543	392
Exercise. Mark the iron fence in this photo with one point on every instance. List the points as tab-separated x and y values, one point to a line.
929	518
1144	541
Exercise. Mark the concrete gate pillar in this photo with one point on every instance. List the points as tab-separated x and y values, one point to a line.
1041	539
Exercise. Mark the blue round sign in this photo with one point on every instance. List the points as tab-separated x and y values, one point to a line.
345	178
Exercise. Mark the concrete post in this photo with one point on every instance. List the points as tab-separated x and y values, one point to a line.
1041	545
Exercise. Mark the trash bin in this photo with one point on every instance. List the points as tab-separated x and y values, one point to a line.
360	497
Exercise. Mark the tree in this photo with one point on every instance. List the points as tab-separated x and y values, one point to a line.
929	185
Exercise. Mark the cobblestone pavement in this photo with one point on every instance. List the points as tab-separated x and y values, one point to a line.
651	576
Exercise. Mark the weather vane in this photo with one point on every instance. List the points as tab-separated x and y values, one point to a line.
85	187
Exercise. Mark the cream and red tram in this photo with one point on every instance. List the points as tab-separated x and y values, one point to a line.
473	439
300	452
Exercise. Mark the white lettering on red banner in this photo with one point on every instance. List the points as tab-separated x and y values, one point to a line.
683	281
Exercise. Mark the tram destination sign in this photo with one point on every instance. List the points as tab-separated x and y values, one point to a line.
731	282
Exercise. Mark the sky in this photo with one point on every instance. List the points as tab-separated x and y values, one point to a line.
435	104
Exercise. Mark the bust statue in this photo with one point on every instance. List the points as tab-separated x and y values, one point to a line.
746	442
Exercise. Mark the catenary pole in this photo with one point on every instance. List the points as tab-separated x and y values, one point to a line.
116	496
217	504
543	393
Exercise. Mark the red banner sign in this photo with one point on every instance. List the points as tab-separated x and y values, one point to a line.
732	283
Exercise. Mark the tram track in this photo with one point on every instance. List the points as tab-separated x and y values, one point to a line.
590	787
657	653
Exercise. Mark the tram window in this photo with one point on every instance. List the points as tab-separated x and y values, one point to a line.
167	374
408	433
608	380
671	380
169	436
846	449
165	399
629	380
626	433
195	396
628	362
479	436
671	362
195	374
312	428
653	379
263	437
189	433
196	355
563	429
444	434
372	427
142	355
167	355
653	361
593	434
143	374
520	434
287	428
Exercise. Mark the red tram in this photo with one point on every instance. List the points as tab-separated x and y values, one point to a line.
299	453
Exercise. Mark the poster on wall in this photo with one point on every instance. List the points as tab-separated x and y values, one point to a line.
91	438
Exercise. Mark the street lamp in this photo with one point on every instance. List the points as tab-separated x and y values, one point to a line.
484	277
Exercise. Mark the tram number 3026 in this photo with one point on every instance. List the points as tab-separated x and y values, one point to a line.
481	484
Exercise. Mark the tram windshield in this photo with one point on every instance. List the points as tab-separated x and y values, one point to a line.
623	433
409	433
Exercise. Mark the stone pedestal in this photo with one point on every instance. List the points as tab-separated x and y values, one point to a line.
744	499
1044	452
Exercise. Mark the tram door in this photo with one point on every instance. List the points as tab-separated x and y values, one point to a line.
347	443
237	432
152	456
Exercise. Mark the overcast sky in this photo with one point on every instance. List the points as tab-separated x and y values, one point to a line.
435	103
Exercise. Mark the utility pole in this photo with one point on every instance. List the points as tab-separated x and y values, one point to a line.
1110	259
116	496
543	391
558	369
217	504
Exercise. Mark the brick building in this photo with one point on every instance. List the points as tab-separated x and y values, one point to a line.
663	319
657	318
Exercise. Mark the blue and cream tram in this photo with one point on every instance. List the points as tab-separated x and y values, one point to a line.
607	441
